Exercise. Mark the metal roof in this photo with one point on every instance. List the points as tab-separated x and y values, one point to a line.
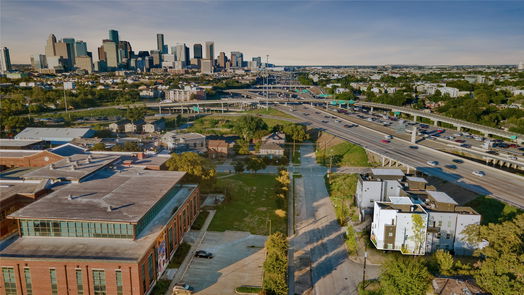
53	134
387	172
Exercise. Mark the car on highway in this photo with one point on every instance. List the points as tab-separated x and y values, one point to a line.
388	136
384	141
413	147
478	173
451	166
347	126
203	254
324	121
432	163
460	140
491	152
465	145
458	161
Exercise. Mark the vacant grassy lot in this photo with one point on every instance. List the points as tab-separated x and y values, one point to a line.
249	205
271	112
342	154
223	125
492	210
342	189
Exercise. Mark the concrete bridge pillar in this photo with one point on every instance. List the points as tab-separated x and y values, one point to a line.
415	118
371	110
383	161
435	122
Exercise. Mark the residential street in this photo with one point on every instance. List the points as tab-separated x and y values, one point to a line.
320	260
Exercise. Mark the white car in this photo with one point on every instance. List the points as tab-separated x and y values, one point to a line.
479	173
388	137
432	163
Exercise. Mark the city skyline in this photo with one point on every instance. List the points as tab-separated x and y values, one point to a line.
298	33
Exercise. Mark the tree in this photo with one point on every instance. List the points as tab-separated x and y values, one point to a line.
136	113
296	132
404	276
444	260
100	146
254	164
275	265
239	166
501	269
419	234
283	178
246	126
198	168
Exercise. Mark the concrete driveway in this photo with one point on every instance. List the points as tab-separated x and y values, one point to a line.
238	261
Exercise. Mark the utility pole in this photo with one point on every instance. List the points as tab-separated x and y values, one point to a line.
364	269
65	102
267	81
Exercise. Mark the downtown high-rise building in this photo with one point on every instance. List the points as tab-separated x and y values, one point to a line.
62	50
70	50
50	46
80	48
38	61
182	54
113	36
237	59
222	60
160	45
111	53
197	51
5	60
210	50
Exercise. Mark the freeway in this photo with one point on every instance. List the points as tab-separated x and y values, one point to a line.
502	185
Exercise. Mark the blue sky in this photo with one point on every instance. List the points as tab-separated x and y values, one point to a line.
292	32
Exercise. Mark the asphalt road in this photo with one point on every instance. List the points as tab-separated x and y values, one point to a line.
505	186
321	263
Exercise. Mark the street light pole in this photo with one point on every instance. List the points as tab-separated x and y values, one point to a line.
364	269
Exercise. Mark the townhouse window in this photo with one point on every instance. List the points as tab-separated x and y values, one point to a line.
28	282
119	283
440	223
54	284
150	268
390	234
9	280
448	236
99	282
79	282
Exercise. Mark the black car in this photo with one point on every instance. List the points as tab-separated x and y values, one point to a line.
413	147
203	254
451	166
458	161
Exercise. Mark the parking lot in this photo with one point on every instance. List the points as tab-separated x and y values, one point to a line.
237	261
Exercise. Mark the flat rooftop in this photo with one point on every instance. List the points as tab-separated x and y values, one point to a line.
441	197
387	172
416	179
82	168
10	188
18	153
130	192
17	143
403	208
96	248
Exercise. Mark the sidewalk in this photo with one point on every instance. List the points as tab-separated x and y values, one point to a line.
187	261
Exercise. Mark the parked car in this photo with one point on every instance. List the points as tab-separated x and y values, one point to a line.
479	173
203	254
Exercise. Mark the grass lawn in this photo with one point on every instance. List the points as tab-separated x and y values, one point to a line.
343	154
200	220
223	125
161	287
492	210
179	256
250	202
248	289
342	189
271	112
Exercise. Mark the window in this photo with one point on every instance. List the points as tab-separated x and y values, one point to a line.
79	282
76	229
390	234
150	267
119	285
28	283
440	223
9	280
99	282
448	236
144	286
54	285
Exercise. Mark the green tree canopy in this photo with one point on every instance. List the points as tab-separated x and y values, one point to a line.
247	126
403	275
198	168
275	265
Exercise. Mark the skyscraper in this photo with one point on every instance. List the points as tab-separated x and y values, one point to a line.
50	46
160	46
85	63
197	50
210	50
113	36
520	67
5	60
80	48
237	59
111	53
61	50
182	53
38	61
222	60
101	53
70	50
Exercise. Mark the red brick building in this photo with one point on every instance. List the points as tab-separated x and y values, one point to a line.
112	232
27	158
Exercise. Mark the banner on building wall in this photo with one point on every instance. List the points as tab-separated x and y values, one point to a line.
162	260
